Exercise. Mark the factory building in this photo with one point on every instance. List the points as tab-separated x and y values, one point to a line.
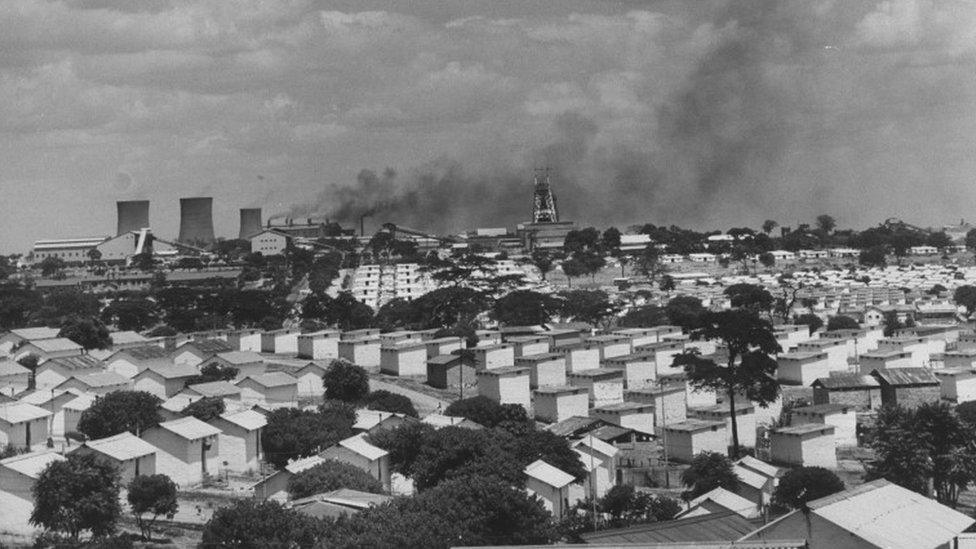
69	250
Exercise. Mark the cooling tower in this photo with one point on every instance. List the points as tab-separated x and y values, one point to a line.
133	215
196	220
250	222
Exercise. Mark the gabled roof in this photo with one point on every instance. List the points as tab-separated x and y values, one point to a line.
728	500
122	447
598	445
368	419
271	379
240	357
56	344
750	477
440	420
849	381
81	402
190	428
344	497
73	363
905	376
171	370
359	445
303	464
19	412
215	388
247	419
143	352
208	346
31	464
99	379
41	397
575	425
11	368
548	474
886	515
125	337
31	334
704	528
760	467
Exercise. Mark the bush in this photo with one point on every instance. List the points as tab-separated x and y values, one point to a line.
345	381
805	484
332	475
390	402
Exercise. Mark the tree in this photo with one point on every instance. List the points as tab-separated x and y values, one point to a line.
543	261
767	259
749	370
485	411
644	317
155	495
332	475
628	507
120	411
610	240
971	239
826	223
874	256
345	381
667	284
805	484
251	523
751	296
90	333
205	409
52	265
403	442
769	225
927	445
292	433
813	321
390	402
841	322
967	412
590	306
131	314
708	471
685	311
524	308
966	297
77	494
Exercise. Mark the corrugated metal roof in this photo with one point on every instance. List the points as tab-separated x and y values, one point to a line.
11	368
190	428
597	444
359	445
19	412
126	337
31	464
887	515
209	346
73	363
56	344
123	446
750	477
215	388
171	370
847	382
100	379
573	425
906	376
248	419
303	464
760	466
240	357
144	352
36	333
705	528
548	474
272	379
81	402
728	500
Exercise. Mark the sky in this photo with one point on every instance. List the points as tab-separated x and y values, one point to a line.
433	114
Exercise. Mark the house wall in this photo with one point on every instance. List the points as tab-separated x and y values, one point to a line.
802	372
530	348
699	398
683	446
16	501
549	373
910	397
245	341
310	384
318	346
746	423
555	501
499	357
642	421
361	353
378	469
845	425
555	408
860	399
637	373
441	347
602	392
238	447
804	451
180	459
610	350
582	359
16	434
404	362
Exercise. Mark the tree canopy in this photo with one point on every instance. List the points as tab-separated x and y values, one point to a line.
390	402
153	495
805	484
525	308
332	475
841	322
120	411
90	333
251	523
78	494
708	470
292	433
485	411
345	381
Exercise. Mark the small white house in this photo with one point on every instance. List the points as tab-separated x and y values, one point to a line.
358	452
529	345
23	425
321	345
487	357
555	404
508	385
630	415
957	385
53	372
840	416
363	352
443	346
407	358
579	356
131	455
545	369
640	369
189	449
245	340
309	379
247	363
275	486
884	360
13	339
802	368
745	420
687	439
280	342
164	381
46	349
17	477
14	378
196	351
551	485
605	385
600	460
806	445
276	388
99	383
610	345
669	401
240	440
130	361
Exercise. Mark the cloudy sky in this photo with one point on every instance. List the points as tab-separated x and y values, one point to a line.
703	113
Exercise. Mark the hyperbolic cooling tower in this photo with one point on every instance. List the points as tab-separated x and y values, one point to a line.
250	222
196	220
133	215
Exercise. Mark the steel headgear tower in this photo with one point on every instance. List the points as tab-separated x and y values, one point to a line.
196	220
132	215
250	222
543	201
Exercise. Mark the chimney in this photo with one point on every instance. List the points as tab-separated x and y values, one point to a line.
250	222
132	215
196	220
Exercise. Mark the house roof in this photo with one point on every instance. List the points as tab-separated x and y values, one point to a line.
303	464
906	376
31	334
215	388
171	370
179	401
727	526
886	515
367	419
760	466
144	352
728	500
248	419
440	420
11	368
122	447
548	474
271	379
19	412
819	409
31	464
208	346
81	402
595	443
73	363
240	357
100	379
344	497
359	445
750	477
126	337
43	396
573	425
56	344
850	381
190	428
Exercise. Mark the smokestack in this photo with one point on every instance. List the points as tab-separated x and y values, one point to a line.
250	222
132	215
196	220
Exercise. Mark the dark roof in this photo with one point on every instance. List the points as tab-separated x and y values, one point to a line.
823	408
575	425
609	433
74	363
847	382
444	359
725	526
906	376
211	346
146	352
